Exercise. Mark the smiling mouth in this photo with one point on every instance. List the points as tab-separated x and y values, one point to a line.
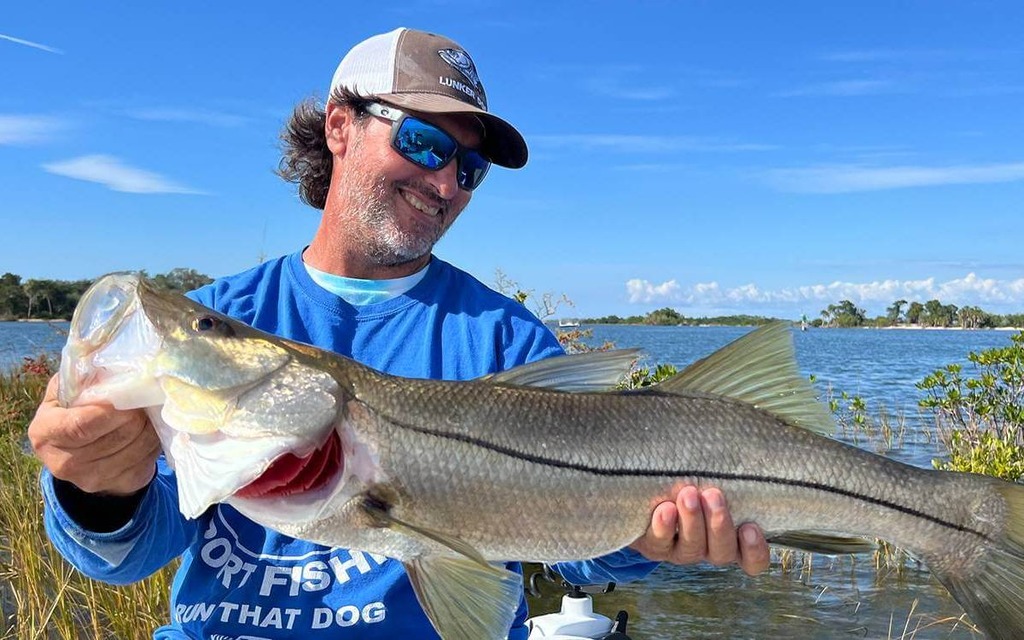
432	210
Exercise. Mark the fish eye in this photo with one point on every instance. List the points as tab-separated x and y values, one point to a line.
206	324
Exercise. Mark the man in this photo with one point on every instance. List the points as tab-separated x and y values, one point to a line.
392	160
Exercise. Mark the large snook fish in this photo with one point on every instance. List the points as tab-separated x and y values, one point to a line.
450	477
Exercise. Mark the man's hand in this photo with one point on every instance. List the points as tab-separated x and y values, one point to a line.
697	527
96	447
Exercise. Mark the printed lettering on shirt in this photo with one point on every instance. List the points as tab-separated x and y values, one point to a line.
269	580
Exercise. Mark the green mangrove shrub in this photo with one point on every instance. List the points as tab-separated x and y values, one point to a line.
981	416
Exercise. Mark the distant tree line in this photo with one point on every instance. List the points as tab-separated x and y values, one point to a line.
842	314
671	317
36	299
929	314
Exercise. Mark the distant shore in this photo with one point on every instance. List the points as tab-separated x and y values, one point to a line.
901	327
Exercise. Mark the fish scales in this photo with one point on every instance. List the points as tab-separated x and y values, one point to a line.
507	449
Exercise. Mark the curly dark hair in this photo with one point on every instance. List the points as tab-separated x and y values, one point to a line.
305	159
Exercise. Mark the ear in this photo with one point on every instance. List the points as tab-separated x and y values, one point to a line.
339	123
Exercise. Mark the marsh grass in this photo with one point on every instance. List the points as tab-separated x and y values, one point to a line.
41	595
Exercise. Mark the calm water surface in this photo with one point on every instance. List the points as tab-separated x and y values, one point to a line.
831	598
29	339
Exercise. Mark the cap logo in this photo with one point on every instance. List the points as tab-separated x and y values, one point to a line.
461	62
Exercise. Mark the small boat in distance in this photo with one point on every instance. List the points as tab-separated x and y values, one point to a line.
568	324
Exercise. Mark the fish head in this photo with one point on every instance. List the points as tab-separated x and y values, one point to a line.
128	337
238	411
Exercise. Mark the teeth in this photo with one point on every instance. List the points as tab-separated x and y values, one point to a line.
420	205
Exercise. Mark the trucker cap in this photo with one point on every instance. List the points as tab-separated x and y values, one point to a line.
428	73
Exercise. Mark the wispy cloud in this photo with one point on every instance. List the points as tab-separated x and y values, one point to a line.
966	291
623	82
624	143
190	115
29	43
16	129
115	175
636	83
844	88
850	178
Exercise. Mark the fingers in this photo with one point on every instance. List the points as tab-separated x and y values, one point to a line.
657	543
722	542
698	527
691	546
95	447
755	555
119	462
76	426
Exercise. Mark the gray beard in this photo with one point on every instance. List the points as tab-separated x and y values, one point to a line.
386	244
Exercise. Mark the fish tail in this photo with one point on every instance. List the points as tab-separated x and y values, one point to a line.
992	592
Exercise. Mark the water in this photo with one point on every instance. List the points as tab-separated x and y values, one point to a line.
831	598
879	365
20	340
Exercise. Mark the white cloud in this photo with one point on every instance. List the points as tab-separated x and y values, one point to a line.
971	290
849	178
117	176
29	43
192	115
27	129
643	291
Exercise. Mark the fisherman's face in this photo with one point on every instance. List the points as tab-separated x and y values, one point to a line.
401	209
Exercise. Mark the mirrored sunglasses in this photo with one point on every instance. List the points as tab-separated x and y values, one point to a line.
431	147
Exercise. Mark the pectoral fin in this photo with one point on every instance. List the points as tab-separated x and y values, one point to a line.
464	599
828	544
416	531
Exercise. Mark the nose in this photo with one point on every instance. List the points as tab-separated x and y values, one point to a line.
445	181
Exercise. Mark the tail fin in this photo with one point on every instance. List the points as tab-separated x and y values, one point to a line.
993	593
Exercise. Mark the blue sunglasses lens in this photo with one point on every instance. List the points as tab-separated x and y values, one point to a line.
432	148
472	169
424	144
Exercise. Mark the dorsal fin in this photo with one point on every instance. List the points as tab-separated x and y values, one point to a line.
591	371
759	369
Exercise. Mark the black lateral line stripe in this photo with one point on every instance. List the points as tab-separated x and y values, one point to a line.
713	475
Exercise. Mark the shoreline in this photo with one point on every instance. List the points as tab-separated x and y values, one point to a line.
916	328
901	327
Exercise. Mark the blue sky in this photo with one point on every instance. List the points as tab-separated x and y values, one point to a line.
745	157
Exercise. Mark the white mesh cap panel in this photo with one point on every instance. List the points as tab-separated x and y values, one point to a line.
369	68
